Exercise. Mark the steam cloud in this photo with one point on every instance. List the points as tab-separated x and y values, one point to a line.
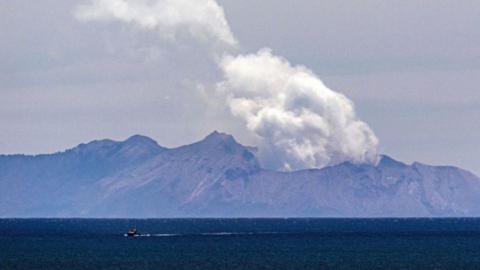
299	121
203	19
302	123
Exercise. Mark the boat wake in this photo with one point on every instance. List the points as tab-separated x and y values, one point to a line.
206	234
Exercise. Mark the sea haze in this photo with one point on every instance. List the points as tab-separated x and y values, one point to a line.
78	244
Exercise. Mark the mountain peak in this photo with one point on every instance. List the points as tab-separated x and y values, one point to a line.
138	145
93	146
140	139
221	137
386	161
134	146
221	145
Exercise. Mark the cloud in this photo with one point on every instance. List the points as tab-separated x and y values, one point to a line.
204	20
301	123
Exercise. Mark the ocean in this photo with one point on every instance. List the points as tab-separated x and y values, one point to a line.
209	244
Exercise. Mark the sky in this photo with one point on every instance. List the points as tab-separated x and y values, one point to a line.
411	68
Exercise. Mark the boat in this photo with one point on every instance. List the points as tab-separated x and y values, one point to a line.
132	232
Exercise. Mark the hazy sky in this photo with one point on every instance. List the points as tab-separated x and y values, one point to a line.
411	68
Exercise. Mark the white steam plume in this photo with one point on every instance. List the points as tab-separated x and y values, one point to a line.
302	123
299	121
203	19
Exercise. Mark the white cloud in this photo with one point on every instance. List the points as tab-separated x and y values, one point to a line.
302	123
202	19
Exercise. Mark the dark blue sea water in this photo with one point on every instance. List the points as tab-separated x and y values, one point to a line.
251	244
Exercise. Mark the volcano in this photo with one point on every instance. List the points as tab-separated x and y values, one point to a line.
218	177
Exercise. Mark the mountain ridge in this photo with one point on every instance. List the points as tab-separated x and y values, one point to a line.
218	177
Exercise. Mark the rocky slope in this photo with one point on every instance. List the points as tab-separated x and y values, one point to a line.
217	177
